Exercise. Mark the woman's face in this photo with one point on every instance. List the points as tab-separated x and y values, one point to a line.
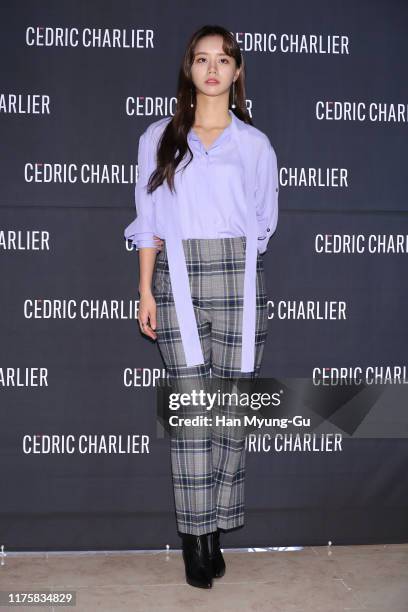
210	62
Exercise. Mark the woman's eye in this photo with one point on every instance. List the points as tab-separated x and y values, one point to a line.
223	59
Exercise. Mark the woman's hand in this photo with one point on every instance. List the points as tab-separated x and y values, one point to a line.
159	243
147	315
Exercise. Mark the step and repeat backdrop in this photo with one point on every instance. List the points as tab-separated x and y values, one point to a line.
84	463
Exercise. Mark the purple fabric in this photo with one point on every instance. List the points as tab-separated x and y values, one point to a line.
231	189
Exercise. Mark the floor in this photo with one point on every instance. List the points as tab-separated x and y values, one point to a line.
326	579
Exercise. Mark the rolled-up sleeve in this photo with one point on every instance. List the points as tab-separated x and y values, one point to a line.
142	229
266	194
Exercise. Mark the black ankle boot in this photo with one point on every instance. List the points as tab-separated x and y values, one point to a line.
216	558
197	560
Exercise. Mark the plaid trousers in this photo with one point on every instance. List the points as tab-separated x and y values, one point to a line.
208	462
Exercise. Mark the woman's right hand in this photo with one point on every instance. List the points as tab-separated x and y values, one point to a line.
147	315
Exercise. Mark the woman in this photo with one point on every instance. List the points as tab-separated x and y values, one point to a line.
207	202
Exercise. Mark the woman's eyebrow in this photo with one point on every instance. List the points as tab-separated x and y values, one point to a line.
205	53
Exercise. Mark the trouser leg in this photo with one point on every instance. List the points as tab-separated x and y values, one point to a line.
190	446
228	441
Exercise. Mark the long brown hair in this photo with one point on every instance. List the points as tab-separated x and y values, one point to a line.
173	143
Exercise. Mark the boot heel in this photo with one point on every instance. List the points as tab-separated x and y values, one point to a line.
216	558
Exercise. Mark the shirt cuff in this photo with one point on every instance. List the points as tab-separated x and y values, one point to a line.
141	244
142	240
264	233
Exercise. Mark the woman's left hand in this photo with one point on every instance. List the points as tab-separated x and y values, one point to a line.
159	243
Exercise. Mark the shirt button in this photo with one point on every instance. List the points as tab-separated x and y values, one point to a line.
268	229
276	189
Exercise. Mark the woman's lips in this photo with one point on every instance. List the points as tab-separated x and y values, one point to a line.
212	82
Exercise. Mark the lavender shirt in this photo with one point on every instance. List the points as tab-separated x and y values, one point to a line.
213	200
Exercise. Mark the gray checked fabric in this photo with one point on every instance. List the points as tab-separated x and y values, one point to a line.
208	462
